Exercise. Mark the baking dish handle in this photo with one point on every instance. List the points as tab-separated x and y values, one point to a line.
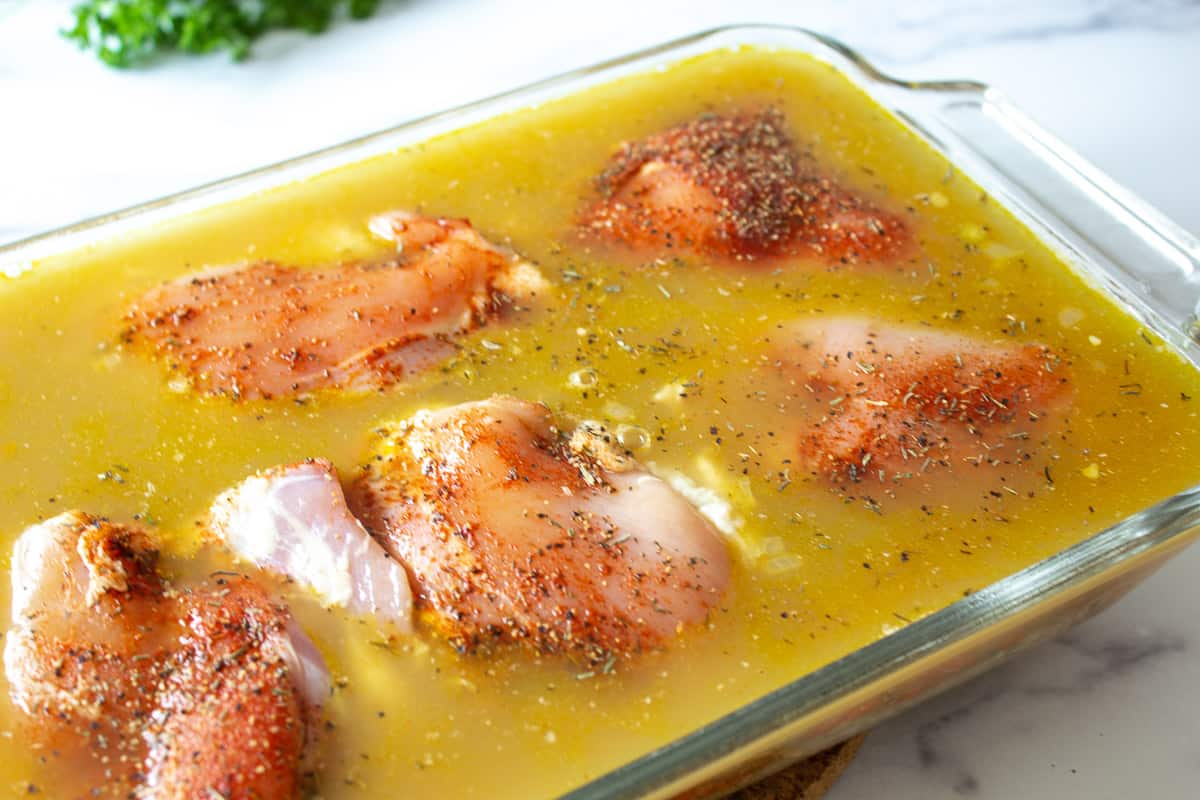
1123	242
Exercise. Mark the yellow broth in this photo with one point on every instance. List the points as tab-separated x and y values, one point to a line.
86	425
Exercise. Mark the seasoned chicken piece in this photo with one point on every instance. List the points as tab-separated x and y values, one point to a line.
734	187
293	520
898	405
515	530
265	330
162	692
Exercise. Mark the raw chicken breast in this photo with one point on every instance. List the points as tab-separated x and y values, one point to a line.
265	330
734	187
901	406
163	692
516	530
293	520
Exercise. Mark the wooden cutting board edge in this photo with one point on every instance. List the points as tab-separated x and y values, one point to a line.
809	779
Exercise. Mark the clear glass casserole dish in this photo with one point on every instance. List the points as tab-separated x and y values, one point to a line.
1129	251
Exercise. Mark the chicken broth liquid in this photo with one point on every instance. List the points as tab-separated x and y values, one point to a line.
661	352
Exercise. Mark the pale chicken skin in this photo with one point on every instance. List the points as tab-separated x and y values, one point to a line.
735	187
893	407
152	690
293	520
515	530
266	330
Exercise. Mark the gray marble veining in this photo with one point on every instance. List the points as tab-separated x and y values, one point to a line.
1095	713
912	32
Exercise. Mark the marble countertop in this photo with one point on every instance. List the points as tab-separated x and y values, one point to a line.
1109	710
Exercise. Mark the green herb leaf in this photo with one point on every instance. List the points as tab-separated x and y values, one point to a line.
127	33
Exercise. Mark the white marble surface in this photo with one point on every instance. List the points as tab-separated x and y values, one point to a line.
1109	711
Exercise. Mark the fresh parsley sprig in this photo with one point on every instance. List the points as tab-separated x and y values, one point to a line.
127	33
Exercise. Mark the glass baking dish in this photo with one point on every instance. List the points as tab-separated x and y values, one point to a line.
1147	264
